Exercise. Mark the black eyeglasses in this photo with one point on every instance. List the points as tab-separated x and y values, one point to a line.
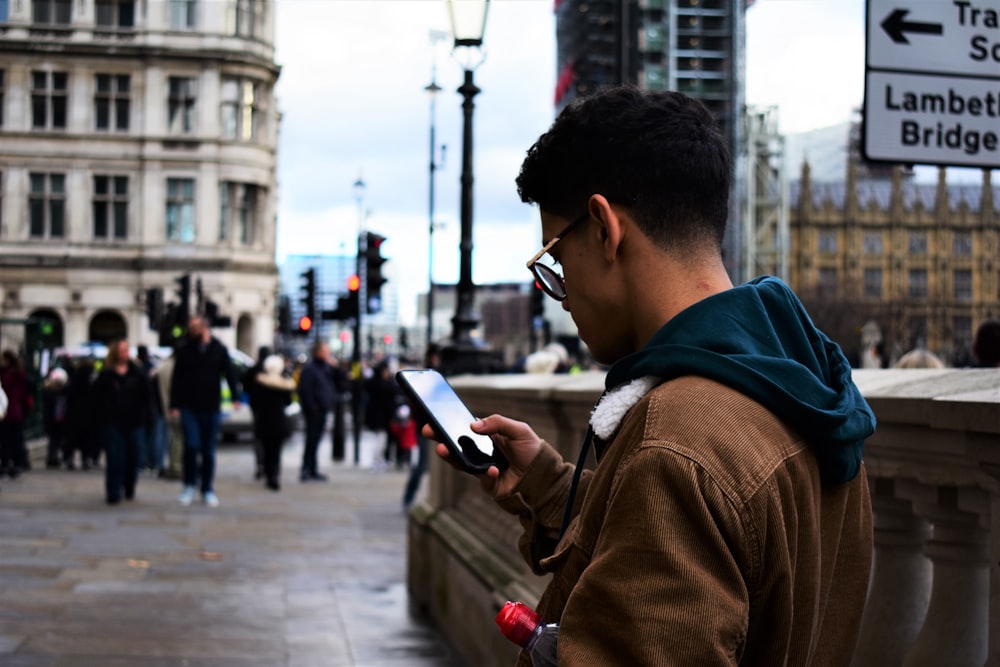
548	278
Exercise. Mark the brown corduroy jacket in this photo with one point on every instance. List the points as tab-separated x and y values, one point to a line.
704	537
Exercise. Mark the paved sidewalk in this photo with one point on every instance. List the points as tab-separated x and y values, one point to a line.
313	575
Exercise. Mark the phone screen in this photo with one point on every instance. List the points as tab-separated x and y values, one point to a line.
451	414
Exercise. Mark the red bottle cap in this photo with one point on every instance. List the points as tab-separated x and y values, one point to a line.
517	621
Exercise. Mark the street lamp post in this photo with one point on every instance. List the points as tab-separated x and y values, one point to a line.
432	90
468	22
356	374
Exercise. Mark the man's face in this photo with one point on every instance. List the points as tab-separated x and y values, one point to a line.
323	353
195	327
592	300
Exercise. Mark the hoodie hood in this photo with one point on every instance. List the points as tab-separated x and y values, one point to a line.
758	339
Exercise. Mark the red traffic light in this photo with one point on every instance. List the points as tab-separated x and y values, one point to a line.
353	283
305	323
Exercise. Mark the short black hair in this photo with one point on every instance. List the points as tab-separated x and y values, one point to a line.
986	345
660	155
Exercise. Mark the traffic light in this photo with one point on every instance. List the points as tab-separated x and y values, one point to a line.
537	303
182	312
305	325
347	304
309	293
284	316
373	272
154	307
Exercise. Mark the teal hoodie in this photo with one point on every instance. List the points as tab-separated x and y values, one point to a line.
758	339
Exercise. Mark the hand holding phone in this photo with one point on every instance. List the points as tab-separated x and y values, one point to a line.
450	418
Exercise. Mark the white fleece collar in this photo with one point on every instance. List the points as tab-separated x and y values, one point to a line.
611	408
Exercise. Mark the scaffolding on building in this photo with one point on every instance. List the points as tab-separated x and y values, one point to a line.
765	209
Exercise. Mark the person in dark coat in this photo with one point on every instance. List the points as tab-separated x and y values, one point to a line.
55	401
123	405
249	382
317	393
80	427
196	400
273	393
13	451
383	398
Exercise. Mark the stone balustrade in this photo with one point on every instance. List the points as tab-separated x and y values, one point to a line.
934	470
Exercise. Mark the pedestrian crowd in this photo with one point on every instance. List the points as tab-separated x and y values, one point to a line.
133	415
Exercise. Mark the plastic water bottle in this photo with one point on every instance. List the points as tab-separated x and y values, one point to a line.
522	625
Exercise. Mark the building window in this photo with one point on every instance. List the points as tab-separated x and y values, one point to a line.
48	100
115	13
47	205
111	207
918	283
918	243
872	243
828	242
240	109
111	102
961	244
245	17
3	90
238	211
4	10
50	12
873	283
182	14
962	285
827	282
225	209
180	105
180	210
248	214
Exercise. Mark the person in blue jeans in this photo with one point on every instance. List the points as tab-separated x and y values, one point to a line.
123	405
196	399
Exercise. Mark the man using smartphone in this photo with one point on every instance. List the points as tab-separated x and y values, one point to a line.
728	518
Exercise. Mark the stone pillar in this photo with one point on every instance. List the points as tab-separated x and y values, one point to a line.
901	580
994	622
955	629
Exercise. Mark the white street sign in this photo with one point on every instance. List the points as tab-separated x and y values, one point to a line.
932	82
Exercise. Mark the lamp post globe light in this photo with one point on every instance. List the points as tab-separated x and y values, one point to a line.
463	354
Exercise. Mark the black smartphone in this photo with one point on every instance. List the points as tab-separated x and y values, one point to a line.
450	418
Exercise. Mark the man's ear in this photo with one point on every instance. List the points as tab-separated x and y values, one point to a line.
611	229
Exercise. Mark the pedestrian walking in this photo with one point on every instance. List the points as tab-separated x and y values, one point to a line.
196	399
55	414
152	455
81	433
249	382
383	397
728	517
341	399
123	405
273	394
174	443
20	401
317	393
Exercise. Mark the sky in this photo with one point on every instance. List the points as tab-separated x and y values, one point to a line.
353	107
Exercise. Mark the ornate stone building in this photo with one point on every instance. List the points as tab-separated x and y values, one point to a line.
920	261
138	144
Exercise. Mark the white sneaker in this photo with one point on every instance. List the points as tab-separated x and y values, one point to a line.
187	495
211	499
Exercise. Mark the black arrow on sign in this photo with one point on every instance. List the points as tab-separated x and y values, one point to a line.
895	25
